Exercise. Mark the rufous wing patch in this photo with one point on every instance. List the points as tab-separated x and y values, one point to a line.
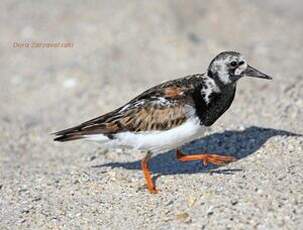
173	91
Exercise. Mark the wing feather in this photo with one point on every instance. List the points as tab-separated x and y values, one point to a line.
160	108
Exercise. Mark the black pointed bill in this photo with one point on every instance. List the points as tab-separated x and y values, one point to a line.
252	72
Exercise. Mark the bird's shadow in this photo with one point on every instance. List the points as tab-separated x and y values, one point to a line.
239	144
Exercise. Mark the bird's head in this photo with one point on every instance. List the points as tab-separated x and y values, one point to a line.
228	67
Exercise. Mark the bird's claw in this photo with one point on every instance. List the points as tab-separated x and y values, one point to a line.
217	159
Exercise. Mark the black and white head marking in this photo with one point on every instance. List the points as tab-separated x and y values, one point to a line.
228	67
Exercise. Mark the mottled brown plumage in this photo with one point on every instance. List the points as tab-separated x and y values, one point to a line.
159	108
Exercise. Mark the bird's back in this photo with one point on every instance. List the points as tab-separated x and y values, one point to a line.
183	105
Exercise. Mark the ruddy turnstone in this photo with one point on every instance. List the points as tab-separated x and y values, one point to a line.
171	114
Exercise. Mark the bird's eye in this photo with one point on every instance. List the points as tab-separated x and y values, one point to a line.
233	63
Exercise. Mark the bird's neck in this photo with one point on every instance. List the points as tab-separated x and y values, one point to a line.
222	82
212	100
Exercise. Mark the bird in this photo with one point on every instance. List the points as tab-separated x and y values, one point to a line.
171	114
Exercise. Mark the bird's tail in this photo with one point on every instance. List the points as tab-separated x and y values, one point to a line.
97	128
64	138
70	134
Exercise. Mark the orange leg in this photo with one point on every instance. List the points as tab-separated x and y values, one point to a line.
205	158
147	175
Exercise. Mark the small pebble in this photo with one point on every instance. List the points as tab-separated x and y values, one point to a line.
183	216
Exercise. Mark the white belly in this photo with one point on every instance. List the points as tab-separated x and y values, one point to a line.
156	141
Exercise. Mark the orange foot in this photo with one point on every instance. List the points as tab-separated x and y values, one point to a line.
205	158
147	175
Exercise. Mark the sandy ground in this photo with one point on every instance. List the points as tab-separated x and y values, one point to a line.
119	49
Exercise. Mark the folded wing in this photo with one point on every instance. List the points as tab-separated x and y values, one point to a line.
159	108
